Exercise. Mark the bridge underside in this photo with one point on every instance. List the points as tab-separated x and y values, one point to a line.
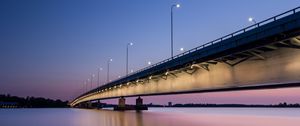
276	64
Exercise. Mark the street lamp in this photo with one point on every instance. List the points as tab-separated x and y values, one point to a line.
108	62
149	63
128	44
88	80
172	6
92	76
85	85
251	19
98	79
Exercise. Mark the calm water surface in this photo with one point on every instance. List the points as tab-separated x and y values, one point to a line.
153	117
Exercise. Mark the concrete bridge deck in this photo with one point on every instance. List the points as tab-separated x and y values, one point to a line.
264	55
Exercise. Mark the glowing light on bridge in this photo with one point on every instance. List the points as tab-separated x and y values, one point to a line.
181	49
167	73
251	19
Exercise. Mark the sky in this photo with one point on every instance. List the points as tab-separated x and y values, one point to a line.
50	47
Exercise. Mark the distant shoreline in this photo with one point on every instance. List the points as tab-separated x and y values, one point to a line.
193	105
8	101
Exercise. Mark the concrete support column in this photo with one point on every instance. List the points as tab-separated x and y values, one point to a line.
122	105
99	104
139	104
89	104
122	102
139	101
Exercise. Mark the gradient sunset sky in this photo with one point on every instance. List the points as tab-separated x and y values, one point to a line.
50	47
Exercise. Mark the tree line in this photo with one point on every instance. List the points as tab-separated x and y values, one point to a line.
32	102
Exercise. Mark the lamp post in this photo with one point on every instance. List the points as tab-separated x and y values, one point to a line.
108	62
98	78
92	76
172	6
88	80
128	44
85	85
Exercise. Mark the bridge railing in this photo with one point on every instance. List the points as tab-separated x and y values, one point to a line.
269	20
233	34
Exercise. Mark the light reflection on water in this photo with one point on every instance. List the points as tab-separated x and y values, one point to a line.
153	117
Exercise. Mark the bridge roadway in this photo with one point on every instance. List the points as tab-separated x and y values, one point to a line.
263	55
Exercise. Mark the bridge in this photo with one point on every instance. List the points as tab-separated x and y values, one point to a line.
263	55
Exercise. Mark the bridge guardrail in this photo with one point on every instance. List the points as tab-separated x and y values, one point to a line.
274	18
228	36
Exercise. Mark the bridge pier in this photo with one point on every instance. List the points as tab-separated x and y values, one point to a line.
122	105
83	105
139	101
139	104
89	104
99	104
122	102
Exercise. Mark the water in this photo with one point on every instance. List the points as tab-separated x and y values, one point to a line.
153	117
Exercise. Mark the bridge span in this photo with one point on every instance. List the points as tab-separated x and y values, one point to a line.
263	55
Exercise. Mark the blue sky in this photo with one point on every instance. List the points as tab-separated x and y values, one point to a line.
50	47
